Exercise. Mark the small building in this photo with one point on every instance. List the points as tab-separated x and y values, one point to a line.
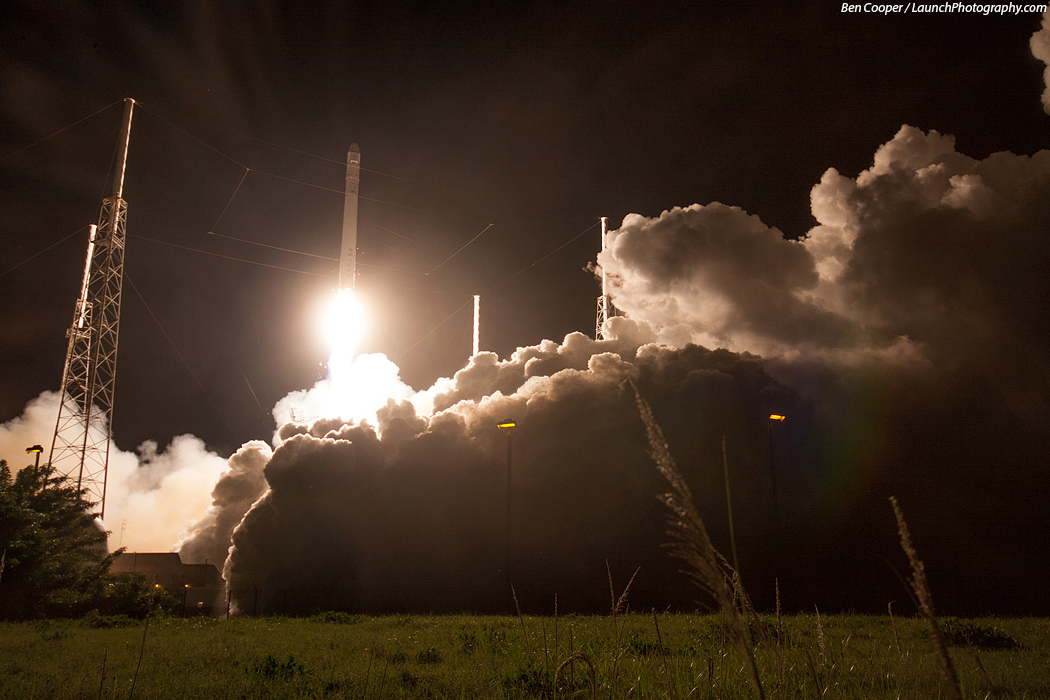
199	586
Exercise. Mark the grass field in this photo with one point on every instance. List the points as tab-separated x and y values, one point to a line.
340	656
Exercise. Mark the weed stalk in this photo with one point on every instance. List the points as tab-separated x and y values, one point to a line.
142	647
921	586
102	683
708	570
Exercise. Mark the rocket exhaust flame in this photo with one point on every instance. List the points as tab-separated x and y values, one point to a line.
344	325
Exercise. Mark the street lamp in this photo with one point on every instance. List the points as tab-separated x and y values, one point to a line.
509	425
37	449
773	475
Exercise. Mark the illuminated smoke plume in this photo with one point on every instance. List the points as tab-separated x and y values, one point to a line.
1041	49
928	257
159	494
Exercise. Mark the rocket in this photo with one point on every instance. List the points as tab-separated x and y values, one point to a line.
348	251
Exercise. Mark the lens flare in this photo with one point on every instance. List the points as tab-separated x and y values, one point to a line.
344	320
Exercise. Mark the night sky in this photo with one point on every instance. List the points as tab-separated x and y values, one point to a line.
538	118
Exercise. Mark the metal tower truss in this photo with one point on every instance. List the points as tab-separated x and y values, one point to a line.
81	444
606	310
80	448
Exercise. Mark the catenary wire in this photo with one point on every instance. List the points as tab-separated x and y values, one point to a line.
230	257
275	267
311	155
266	245
362	197
235	191
56	133
203	143
338	191
312	255
543	258
233	433
34	255
512	328
383	228
412	347
461	249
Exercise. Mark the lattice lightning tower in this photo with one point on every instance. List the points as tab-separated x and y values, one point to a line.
80	448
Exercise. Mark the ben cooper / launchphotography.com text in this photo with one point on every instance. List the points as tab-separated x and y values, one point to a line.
945	7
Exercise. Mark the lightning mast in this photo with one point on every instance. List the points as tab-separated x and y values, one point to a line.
83	432
477	323
605	307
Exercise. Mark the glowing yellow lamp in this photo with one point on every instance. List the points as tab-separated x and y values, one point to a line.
775	416
507	424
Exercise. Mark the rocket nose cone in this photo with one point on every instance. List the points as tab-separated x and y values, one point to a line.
354	148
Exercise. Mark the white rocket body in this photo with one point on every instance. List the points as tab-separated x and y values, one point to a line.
348	251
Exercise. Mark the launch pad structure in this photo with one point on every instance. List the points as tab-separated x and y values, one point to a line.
83	432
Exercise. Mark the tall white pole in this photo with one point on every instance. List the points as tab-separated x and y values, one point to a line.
85	285
605	224
477	321
603	300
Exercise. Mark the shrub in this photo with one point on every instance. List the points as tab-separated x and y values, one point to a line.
272	669
968	633
337	618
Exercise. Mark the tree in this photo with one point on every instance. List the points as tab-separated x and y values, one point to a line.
55	560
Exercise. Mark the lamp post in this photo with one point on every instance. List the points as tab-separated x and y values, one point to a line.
774	417
35	449
509	425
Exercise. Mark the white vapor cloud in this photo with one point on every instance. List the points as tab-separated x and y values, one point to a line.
158	493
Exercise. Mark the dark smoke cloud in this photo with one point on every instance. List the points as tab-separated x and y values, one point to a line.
234	493
410	514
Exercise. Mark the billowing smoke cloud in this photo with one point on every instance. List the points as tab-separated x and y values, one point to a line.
410	514
1041	50
236	491
158	494
928	257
